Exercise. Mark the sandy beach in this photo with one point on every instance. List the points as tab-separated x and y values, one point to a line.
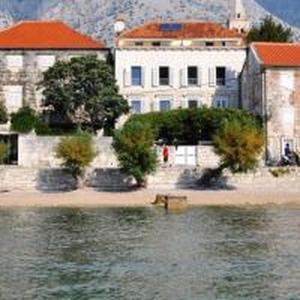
92	198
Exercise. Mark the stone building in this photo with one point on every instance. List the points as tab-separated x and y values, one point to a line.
29	48
165	65
271	89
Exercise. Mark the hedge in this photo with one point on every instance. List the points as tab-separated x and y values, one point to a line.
190	126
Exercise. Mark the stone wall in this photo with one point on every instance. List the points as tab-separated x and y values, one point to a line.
39	152
54	180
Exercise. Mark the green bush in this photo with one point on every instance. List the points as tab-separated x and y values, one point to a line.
4	149
238	145
42	128
76	152
134	148
24	120
3	114
189	126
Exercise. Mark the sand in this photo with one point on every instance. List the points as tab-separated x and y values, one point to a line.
92	198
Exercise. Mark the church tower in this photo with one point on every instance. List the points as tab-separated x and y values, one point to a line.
239	20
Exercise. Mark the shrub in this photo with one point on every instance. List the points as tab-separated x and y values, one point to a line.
134	148
42	128
3	114
76	152
4	149
189	126
24	120
238	145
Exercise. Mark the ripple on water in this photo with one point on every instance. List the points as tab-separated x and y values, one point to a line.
142	253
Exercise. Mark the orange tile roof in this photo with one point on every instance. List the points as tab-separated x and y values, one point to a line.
189	30
278	54
45	35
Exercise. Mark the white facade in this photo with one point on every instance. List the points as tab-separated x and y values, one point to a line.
150	93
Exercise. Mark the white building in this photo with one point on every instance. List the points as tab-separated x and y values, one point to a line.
165	65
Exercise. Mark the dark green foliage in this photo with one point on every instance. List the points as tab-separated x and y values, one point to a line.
76	152
270	31
3	114
24	120
134	148
189	126
84	91
238	145
41	128
4	152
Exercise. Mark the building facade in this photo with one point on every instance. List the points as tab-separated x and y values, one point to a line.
271	89
161	66
29	48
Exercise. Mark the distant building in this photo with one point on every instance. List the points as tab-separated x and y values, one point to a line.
239	20
166	65
31	47
271	89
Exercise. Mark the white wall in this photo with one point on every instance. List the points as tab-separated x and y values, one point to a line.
179	59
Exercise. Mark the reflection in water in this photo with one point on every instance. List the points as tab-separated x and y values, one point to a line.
206	253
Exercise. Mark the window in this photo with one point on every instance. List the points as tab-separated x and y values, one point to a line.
192	104
14	62
156	44
136	106
45	62
192	75
238	16
136	76
224	44
13	97
164	105
221	75
139	44
209	44
221	102
164	76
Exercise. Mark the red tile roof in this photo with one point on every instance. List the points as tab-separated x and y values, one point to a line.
45	35
189	30
278	54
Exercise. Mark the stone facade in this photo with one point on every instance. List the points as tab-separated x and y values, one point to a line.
273	93
21	70
39	152
206	91
52	180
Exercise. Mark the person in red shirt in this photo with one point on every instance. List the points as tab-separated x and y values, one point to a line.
165	153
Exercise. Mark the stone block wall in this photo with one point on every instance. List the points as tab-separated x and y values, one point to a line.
39	152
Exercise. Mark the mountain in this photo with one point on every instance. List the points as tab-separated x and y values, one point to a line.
96	17
284	9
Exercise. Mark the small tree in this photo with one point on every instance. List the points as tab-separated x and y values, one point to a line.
239	146
4	149
76	152
83	91
134	148
24	120
270	31
3	114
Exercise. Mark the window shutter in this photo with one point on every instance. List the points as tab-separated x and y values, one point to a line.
199	83
126	77
171	79
212	77
183	77
143	76
142	106
155	77
229	77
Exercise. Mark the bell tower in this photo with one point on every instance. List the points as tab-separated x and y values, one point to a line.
238	19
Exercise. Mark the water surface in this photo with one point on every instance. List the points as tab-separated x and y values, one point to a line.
144	254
